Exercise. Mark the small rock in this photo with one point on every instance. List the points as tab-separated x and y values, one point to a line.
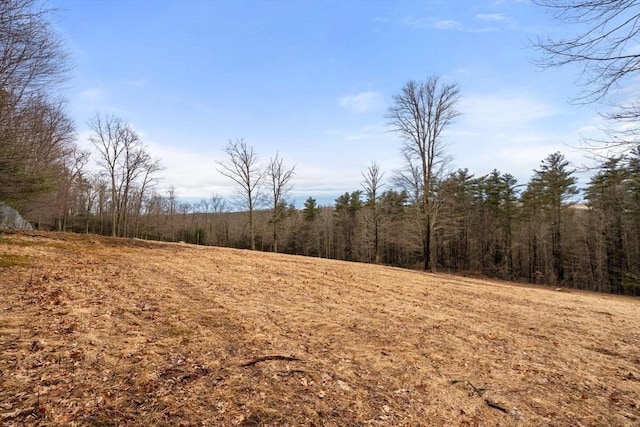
342	385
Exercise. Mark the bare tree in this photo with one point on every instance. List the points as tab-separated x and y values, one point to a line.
109	136
149	179
36	143
137	173
605	48
279	178
420	113
127	163
171	210
35	131
218	207
32	58
71	183
243	168
372	186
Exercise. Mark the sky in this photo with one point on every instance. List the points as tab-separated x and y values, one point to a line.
312	81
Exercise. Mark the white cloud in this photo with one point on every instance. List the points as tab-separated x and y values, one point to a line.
135	83
444	24
483	30
448	25
492	17
369	133
417	23
512	133
503	110
362	102
92	94
193	173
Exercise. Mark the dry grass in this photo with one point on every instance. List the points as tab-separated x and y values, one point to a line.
95	331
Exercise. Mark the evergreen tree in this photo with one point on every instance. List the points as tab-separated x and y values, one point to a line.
311	210
612	196
458	193
346	212
548	194
394	240
499	207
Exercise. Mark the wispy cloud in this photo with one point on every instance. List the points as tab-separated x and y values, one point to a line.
192	173
362	102
505	110
417	23
510	132
448	24
92	94
501	2
135	83
442	24
496	17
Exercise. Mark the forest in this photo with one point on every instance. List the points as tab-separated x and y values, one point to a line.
425	215
487	226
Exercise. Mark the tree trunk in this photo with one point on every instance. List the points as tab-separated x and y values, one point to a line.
427	246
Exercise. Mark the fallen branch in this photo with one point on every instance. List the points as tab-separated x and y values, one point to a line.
479	391
266	358
495	405
436	368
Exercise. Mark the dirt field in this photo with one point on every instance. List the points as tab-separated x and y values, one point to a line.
98	331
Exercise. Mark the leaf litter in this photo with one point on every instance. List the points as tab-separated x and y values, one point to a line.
101	331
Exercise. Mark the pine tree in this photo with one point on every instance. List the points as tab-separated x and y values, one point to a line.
548	193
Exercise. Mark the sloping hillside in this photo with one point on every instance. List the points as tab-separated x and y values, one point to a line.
97	331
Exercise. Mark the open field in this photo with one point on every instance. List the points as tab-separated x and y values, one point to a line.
98	331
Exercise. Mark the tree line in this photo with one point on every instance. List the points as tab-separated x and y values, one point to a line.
423	215
483	226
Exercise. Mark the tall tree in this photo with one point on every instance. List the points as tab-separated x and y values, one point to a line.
243	168
604	49
305	237
606	198
71	185
420	113
613	196
125	160
149	179
499	206
35	132
551	189
32	57
347	208
35	145
372	186
311	210
394	230
462	205
278	177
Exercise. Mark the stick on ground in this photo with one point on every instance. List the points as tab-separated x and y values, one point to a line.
495	405
265	358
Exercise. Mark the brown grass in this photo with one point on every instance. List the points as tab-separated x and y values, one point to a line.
97	331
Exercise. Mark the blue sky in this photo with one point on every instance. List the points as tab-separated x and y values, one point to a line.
312	80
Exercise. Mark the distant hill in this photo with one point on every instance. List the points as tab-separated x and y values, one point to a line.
100	331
